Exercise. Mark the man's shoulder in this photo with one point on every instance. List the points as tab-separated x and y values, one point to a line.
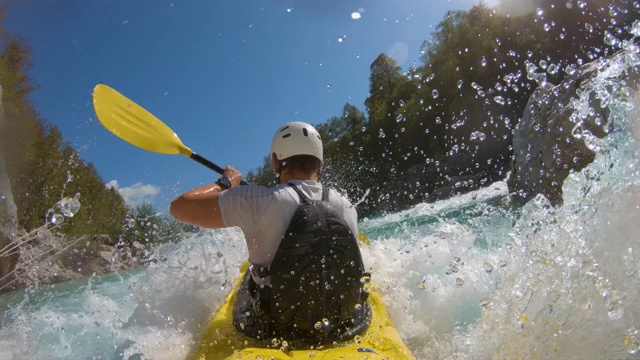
339	197
253	191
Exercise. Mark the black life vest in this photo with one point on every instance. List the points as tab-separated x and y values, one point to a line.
316	293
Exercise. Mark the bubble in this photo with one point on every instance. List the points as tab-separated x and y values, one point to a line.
57	219
459	282
499	100
435	94
356	15
460	84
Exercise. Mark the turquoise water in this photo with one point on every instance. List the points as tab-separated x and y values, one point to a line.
467	278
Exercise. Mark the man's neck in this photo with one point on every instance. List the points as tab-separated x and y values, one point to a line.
286	177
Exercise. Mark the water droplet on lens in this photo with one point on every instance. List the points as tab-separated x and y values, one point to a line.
478	135
57	219
571	69
69	206
488	267
422	284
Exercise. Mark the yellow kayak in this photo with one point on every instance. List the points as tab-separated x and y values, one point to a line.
221	340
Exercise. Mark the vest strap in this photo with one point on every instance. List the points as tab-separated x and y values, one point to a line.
304	198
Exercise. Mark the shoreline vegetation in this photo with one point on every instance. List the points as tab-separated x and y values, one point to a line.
451	125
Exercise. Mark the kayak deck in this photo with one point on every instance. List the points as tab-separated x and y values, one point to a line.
380	341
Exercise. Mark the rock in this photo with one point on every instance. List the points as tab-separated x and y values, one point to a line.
8	218
549	140
48	258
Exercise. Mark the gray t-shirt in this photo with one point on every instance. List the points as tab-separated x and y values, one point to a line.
263	214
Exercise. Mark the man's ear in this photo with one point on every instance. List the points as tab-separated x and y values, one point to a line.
275	163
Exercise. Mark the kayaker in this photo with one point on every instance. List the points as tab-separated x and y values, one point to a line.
306	280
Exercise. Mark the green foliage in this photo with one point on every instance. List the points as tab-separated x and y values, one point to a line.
145	228
42	167
263	175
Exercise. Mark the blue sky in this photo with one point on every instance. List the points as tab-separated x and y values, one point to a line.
222	74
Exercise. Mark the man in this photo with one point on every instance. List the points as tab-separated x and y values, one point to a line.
305	281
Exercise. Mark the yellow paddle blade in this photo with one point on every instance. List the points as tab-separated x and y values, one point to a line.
133	124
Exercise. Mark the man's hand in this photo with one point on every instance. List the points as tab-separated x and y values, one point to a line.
234	175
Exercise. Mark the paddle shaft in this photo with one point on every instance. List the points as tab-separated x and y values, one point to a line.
211	165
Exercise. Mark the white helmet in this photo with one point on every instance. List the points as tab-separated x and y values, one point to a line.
296	138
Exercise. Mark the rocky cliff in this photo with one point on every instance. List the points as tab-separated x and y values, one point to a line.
561	125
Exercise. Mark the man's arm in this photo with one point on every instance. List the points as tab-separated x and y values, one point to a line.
199	206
